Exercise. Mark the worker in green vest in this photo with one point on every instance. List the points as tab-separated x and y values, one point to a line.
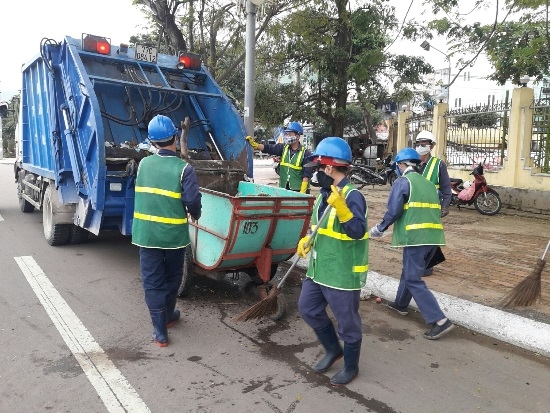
293	174
434	170
338	262
415	212
166	191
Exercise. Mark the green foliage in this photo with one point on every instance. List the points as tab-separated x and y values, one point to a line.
479	120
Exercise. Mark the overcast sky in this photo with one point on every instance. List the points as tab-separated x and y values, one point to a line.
25	22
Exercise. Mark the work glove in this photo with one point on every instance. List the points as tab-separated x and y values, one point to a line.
338	202
303	188
444	212
302	250
376	233
252	142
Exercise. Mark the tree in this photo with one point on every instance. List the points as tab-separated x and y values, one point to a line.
517	42
334	51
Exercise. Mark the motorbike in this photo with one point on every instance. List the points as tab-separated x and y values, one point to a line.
484	198
277	164
381	174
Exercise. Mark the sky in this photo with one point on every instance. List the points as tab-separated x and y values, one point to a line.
119	19
26	22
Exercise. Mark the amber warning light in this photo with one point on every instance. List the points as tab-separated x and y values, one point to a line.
96	44
189	61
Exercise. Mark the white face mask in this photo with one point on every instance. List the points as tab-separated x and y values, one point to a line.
423	150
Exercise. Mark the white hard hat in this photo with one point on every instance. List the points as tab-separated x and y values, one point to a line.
425	135
467	184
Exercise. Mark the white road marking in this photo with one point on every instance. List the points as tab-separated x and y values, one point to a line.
1	219
115	391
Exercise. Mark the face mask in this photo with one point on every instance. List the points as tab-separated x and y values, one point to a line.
289	139
324	180
398	170
423	150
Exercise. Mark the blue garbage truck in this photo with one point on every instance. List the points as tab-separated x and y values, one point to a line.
85	108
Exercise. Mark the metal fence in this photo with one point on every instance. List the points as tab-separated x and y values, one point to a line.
417	123
478	134
540	141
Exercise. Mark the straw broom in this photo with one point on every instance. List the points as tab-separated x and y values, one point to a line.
529	290
268	305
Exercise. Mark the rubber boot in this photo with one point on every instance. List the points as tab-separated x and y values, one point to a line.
172	312
328	338
160	333
352	351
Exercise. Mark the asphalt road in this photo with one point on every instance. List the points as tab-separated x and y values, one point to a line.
75	337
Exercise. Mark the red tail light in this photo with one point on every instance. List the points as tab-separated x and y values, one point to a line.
189	61
96	44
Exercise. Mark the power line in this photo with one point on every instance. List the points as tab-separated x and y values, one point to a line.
401	28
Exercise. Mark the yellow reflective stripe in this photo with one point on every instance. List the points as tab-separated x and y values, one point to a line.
298	163
424	226
329	232
163	220
360	268
421	205
158	191
433	162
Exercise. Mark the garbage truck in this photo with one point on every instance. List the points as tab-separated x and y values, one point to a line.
85	108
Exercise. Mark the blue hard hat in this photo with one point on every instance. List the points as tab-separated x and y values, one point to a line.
161	128
407	154
331	151
294	127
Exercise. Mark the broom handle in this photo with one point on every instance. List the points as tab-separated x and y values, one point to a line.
546	250
308	242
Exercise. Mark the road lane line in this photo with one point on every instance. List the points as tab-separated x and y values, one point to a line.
1	219
115	391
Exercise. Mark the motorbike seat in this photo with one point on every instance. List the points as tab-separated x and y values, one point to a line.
458	181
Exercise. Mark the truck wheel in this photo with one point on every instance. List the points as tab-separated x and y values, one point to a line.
55	234
24	205
78	235
188	273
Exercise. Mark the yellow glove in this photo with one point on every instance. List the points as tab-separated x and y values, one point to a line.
252	142
338	202
302	250
303	188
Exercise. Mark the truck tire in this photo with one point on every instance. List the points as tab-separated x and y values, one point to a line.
24	205
188	273
55	234
78	235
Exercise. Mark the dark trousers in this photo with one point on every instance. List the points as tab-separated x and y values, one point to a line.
411	285
313	302
161	274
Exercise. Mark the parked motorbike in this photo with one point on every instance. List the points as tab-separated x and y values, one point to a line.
382	174
484	198
277	164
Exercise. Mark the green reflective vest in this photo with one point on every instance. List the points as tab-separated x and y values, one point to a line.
160	218
420	223
337	260
431	171
291	168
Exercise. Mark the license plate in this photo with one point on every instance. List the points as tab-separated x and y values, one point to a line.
146	53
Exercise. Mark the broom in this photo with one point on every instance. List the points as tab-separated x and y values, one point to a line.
268	305
529	290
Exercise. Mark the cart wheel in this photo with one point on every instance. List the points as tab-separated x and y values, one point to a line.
281	308
188	273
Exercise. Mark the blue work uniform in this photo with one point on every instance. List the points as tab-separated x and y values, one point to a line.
415	259
344	304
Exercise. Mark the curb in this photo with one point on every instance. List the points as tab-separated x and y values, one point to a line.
501	325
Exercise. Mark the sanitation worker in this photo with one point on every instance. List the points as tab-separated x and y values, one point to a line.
293	174
434	170
338	261
167	190
414	209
